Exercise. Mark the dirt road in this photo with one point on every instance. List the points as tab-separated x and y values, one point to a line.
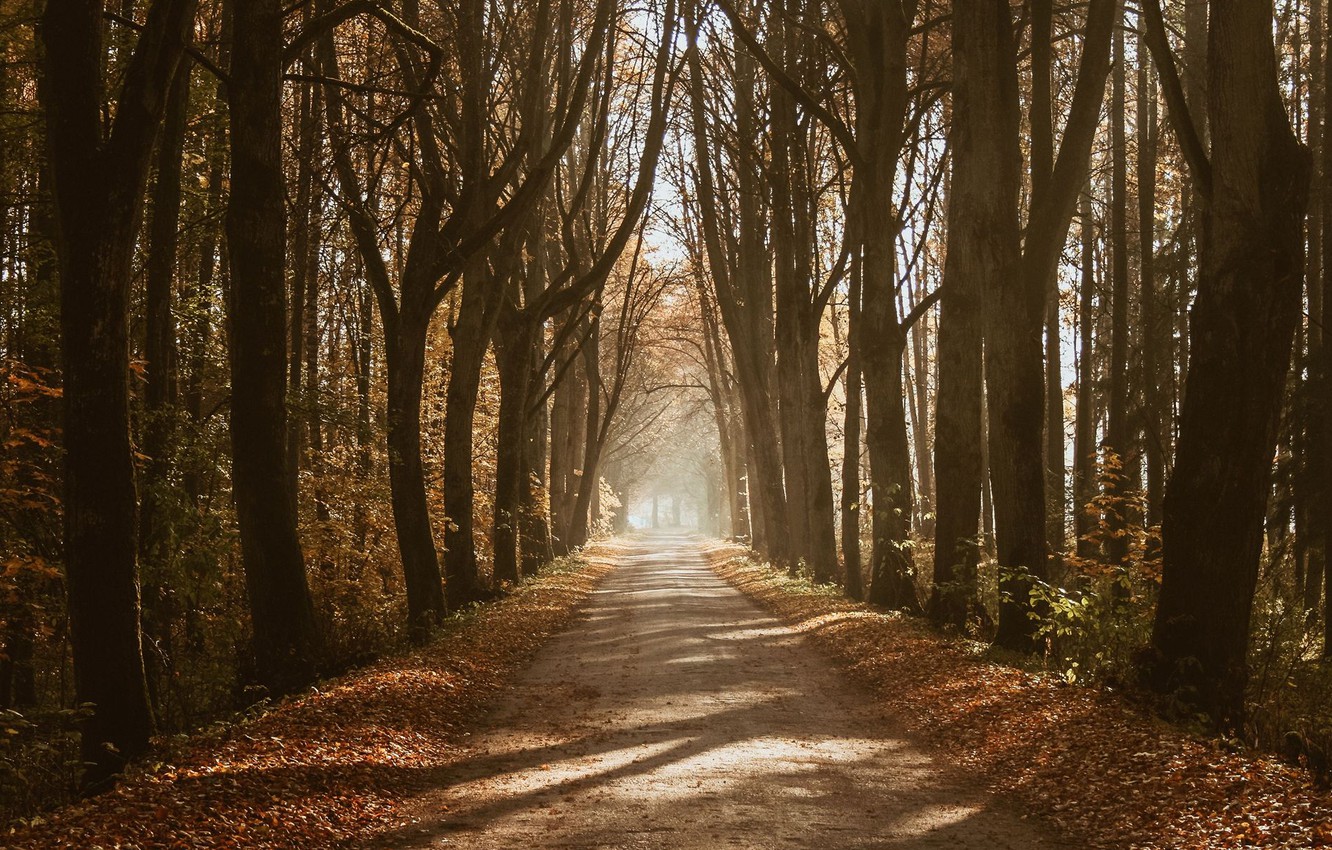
675	714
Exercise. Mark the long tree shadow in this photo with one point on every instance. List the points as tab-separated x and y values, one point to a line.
677	712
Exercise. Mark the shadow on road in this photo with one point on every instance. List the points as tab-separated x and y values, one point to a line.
676	714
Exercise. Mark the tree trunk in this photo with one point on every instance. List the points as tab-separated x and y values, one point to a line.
1084	438
535	538
878	37
405	340
463	584
927	487
1243	322
98	195
1116	445
891	568
513	353
854	581
279	595
981	251
589	483
1155	420
1323	437
1041	119
159	397
304	307
565	419
1015	322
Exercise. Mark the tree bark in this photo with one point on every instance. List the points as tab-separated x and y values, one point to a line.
878	41
159	397
405	339
98	193
1041	119
1084	438
589	483
854	581
537	548
1155	419
1015	321
1116	444
1324	401
284	640
1243	322
982	249
477	313
513	354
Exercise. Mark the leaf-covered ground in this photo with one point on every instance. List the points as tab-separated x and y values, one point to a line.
1102	770
333	765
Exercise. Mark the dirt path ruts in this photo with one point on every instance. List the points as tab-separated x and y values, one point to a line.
675	714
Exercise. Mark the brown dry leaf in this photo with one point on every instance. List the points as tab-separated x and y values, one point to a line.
1104	771
316	771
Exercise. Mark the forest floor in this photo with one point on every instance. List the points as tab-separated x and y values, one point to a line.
329	768
671	693
1103	770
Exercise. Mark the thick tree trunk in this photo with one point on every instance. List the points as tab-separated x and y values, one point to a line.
891	568
589	483
565	421
280	606
808	476
98	194
535	538
758	529
513	353
1015	322
878	37
1243	321
981	251
818	466
791	246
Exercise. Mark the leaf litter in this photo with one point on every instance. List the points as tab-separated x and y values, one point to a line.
1098	767
335	764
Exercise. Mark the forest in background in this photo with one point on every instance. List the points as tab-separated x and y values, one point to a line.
323	322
